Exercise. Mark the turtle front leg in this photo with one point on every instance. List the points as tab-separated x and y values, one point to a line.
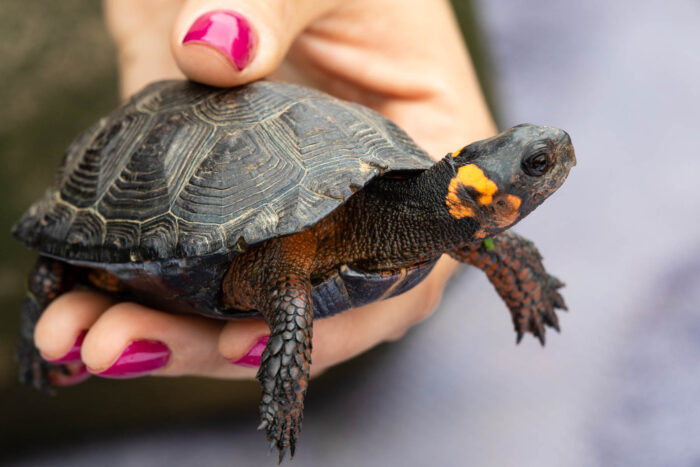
514	267
48	280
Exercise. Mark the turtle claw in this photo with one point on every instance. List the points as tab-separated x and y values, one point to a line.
535	324
536	310
283	430
552	322
554	296
558	301
556	283
282	406
539	332
551	300
282	453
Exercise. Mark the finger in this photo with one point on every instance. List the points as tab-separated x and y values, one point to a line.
60	331
130	340
351	333
230	42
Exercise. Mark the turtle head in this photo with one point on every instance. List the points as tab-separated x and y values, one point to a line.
500	180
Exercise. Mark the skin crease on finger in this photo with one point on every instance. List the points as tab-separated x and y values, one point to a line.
404	59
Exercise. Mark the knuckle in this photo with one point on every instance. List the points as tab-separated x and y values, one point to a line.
397	334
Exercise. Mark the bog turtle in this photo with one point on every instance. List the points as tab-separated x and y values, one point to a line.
282	202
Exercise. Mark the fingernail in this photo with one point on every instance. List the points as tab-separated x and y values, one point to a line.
73	355
76	375
229	32
252	358
139	358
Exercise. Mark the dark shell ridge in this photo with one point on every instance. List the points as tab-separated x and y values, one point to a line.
185	170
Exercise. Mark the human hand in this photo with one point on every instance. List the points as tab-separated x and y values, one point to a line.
404	58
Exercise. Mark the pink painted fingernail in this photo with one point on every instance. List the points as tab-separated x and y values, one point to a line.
73	355
252	358
138	359
77	375
229	32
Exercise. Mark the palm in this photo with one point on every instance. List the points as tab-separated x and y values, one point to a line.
388	62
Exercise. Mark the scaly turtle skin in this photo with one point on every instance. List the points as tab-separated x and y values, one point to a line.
282	202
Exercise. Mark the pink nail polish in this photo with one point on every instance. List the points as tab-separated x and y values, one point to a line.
229	32
73	355
252	358
138	359
77	375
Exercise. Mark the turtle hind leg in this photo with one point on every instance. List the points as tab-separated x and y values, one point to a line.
46	281
275	279
514	267
286	361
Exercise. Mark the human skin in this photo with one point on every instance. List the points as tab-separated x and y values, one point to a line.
403	58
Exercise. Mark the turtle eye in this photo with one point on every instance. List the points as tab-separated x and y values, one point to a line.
536	164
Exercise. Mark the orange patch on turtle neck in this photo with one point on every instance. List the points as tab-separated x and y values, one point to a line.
472	176
457	208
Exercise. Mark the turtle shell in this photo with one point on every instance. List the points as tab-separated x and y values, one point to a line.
186	170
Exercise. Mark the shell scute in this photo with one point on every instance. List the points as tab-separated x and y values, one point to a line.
197	239
122	235
86	230
158	237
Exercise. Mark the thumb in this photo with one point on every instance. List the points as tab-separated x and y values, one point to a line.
231	42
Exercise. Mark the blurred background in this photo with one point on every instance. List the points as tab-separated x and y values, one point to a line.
620	386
